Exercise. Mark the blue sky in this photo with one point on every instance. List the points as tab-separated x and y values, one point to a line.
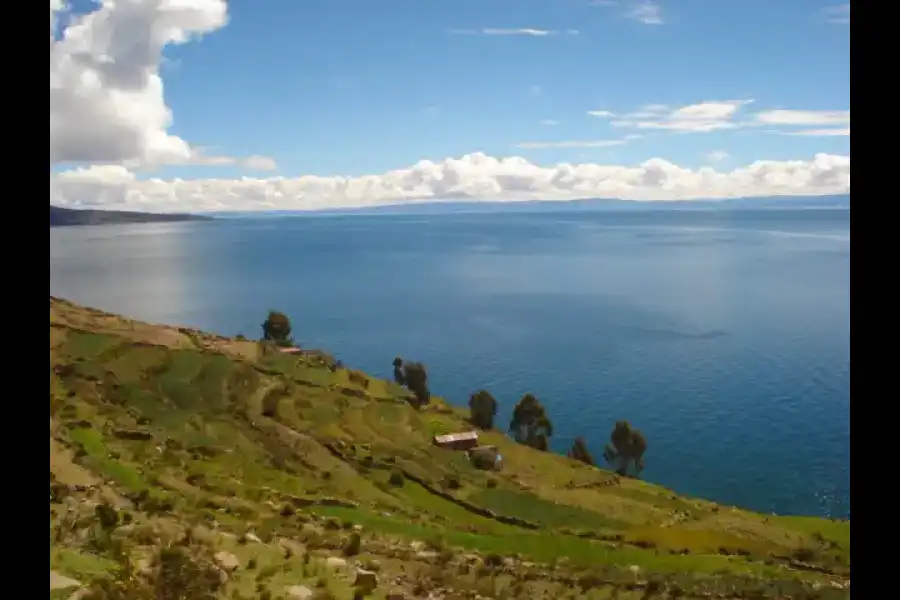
356	87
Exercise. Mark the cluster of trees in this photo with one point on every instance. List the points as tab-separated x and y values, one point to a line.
530	424
626	448
414	376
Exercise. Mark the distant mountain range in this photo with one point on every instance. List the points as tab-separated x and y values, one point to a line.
68	217
588	205
60	217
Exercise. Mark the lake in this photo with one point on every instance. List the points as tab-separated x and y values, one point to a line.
723	335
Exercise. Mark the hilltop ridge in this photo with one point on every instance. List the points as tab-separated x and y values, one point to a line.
299	478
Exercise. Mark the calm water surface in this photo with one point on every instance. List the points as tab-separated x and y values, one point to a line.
724	336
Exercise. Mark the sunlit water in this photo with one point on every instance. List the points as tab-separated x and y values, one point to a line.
724	336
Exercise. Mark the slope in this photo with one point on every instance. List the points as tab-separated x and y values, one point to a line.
182	430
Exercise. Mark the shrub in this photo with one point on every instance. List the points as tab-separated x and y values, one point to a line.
184	571
396	478
352	546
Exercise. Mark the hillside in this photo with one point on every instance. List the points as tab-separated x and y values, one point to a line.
156	431
68	217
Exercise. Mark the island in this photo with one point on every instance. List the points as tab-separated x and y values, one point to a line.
68	217
185	464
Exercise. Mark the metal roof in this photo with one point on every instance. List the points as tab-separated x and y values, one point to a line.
456	437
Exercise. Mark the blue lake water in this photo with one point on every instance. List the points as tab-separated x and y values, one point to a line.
723	335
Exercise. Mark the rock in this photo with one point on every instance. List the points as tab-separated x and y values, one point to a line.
61	582
298	592
227	561
372	565
635	570
143	566
366	579
336	563
417	546
426	555
395	596
252	537
838	585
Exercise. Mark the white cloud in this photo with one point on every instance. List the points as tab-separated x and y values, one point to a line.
526	31
833	123
828	132
838	14
717	156
706	116
571	144
474	176
648	12
715	115
804	117
106	93
260	163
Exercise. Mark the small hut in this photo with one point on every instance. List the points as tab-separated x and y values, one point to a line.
457	441
290	350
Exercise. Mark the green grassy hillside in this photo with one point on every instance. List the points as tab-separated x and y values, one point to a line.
278	463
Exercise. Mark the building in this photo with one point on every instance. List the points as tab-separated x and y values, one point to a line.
291	350
457	441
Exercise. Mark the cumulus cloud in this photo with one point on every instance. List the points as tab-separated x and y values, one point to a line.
106	93
838	14
474	176
648	12
526	31
706	116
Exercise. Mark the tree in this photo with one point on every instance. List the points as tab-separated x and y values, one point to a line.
579	451
482	409
277	327
416	377
626	448
399	378
530	424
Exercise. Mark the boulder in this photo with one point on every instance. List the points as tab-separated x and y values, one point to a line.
298	592
367	580
336	563
227	561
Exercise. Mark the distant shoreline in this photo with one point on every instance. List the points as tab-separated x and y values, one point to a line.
71	217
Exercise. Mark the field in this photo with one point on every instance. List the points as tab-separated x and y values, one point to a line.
277	462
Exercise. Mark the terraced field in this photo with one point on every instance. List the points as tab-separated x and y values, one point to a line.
277	461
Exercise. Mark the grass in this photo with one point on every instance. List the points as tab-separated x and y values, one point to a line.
323	459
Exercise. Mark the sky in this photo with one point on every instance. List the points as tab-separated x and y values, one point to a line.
195	105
